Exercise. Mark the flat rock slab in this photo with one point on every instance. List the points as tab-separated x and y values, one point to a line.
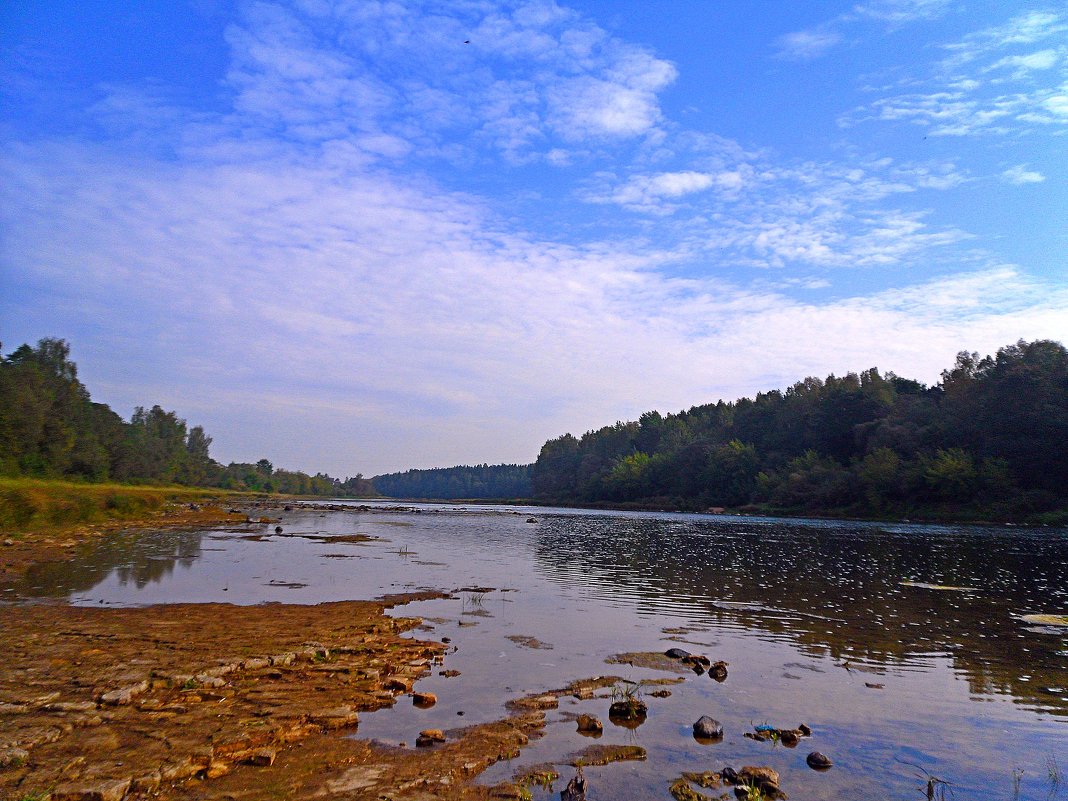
184	691
654	660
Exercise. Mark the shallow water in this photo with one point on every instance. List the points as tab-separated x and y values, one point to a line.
806	613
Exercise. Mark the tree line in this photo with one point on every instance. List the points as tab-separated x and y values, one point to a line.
51	428
449	483
990	440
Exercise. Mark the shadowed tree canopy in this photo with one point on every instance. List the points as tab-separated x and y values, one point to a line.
479	481
50	428
991	440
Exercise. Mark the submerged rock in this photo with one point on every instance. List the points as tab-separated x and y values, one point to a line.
818	761
681	791
424	700
428	737
607	754
764	779
653	660
718	671
788	737
588	724
576	788
707	728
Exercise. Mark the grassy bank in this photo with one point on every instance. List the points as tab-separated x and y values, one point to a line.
38	505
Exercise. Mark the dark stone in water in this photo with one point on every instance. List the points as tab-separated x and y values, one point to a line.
707	728
818	761
718	671
576	788
277	529
729	775
676	653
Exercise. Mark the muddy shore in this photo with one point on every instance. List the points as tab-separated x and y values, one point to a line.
215	701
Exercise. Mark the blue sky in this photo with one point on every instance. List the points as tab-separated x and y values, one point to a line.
363	236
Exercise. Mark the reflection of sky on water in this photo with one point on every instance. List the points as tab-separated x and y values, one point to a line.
805	613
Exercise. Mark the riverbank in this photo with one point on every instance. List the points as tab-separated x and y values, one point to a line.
216	701
923	515
138	702
45	521
39	506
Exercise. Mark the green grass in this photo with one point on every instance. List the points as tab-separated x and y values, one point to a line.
38	505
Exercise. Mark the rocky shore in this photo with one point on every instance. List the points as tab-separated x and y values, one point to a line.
216	701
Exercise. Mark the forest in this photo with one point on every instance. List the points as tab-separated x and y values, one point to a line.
51	428
989	441
449	483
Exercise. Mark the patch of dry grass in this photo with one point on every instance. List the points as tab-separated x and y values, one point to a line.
38	505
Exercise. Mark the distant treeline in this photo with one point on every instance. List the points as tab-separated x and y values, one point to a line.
989	441
479	481
50	428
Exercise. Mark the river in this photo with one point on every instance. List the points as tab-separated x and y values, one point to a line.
904	647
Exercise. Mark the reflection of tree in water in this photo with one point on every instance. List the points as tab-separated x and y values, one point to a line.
836	589
136	557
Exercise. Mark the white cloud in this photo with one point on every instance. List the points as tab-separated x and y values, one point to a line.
1057	104
961	113
902	11
978	89
1040	60
394	325
1023	29
814	42
525	78
1020	175
391	308
806	45
659	193
674	184
749	210
589	107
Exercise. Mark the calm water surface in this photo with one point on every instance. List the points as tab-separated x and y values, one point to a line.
807	613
